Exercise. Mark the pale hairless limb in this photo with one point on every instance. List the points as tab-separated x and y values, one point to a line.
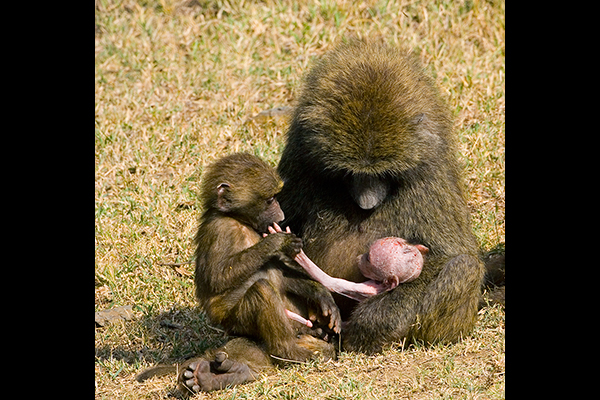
296	317
356	291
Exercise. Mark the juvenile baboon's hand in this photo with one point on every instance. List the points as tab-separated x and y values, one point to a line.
294	247
284	242
291	244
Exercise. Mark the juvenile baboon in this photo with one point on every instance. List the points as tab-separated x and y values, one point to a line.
370	153
244	280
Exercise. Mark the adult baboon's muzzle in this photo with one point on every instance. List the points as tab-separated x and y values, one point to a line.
368	191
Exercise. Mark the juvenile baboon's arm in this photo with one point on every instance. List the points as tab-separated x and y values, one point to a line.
240	253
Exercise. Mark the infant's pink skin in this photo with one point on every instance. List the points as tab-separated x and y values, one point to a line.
389	262
392	261
356	291
296	317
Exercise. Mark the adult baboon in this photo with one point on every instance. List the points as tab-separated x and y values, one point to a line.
370	153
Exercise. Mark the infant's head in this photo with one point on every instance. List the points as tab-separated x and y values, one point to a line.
392	261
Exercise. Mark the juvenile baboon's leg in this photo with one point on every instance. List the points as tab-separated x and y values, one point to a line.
261	314
217	374
318	347
239	361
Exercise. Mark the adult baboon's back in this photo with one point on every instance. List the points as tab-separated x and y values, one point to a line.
370	153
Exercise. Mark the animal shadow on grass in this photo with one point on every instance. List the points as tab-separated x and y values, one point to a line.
166	337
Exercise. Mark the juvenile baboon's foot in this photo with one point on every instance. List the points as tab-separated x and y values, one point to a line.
319	348
206	375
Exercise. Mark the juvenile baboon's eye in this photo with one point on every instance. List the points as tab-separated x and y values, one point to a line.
270	200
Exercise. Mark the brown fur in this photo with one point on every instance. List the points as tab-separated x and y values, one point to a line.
247	361
245	281
370	153
241	278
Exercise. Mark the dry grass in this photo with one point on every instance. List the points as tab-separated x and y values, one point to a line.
175	82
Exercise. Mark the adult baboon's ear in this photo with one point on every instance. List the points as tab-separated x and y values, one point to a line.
422	124
417	119
223	200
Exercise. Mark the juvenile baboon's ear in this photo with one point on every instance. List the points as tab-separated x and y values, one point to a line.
223	200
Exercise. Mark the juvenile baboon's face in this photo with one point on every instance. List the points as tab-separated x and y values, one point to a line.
272	213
